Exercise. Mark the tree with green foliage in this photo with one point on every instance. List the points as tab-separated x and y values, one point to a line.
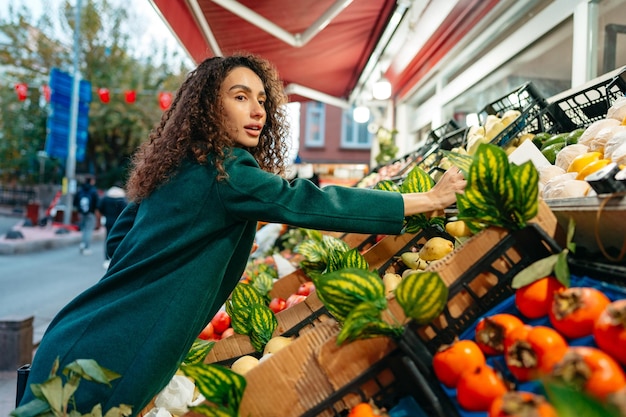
32	48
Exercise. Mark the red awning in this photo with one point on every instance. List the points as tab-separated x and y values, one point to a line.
321	45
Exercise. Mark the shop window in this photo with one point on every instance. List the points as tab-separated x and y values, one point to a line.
354	135
315	125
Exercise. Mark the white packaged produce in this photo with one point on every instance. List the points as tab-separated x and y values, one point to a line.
619	155
603	136
566	155
618	110
176	396
158	412
547	172
565	186
594	128
618	139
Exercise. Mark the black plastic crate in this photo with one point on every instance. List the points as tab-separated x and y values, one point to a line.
534	117
437	134
497	267
388	381
579	107
454	139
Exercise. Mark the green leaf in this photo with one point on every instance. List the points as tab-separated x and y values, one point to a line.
570	402
52	390
91	371
537	270
571	228
121	411
36	407
313	234
561	268
526	182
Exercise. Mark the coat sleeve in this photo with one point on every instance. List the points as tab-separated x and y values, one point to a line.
253	194
121	227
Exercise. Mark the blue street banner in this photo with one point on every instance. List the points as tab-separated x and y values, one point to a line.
57	139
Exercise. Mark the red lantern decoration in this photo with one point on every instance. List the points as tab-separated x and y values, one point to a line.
131	96
47	91
165	99
104	94
21	89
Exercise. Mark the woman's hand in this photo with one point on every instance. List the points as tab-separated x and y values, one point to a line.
442	195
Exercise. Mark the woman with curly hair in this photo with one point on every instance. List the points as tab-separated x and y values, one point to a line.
208	173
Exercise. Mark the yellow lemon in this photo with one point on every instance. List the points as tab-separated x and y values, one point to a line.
592	167
581	161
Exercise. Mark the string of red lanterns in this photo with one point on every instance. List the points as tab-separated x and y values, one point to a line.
130	96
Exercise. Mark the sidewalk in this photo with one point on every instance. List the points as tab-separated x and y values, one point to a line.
30	239
26	239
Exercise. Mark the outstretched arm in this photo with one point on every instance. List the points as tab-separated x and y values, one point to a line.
442	195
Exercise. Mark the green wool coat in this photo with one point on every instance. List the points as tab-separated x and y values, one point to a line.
176	258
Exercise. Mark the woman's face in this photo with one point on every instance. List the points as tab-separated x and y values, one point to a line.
243	97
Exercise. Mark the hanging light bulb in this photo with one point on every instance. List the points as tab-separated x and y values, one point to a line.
381	89
361	114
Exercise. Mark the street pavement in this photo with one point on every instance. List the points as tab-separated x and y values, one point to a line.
57	247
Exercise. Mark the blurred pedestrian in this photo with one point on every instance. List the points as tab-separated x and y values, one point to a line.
86	202
110	207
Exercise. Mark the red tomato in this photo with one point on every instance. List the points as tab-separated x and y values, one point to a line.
450	362
221	321
609	330
228	332
306	288
575	310
208	333
278	304
535	299
591	370
491	332
535	353
520	404
479	387
294	299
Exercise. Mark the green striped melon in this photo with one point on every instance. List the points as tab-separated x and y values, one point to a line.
422	295
217	383
417	181
344	289
387	185
262	325
199	350
245	295
353	259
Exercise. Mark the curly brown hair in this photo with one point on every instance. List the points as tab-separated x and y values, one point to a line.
194	127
